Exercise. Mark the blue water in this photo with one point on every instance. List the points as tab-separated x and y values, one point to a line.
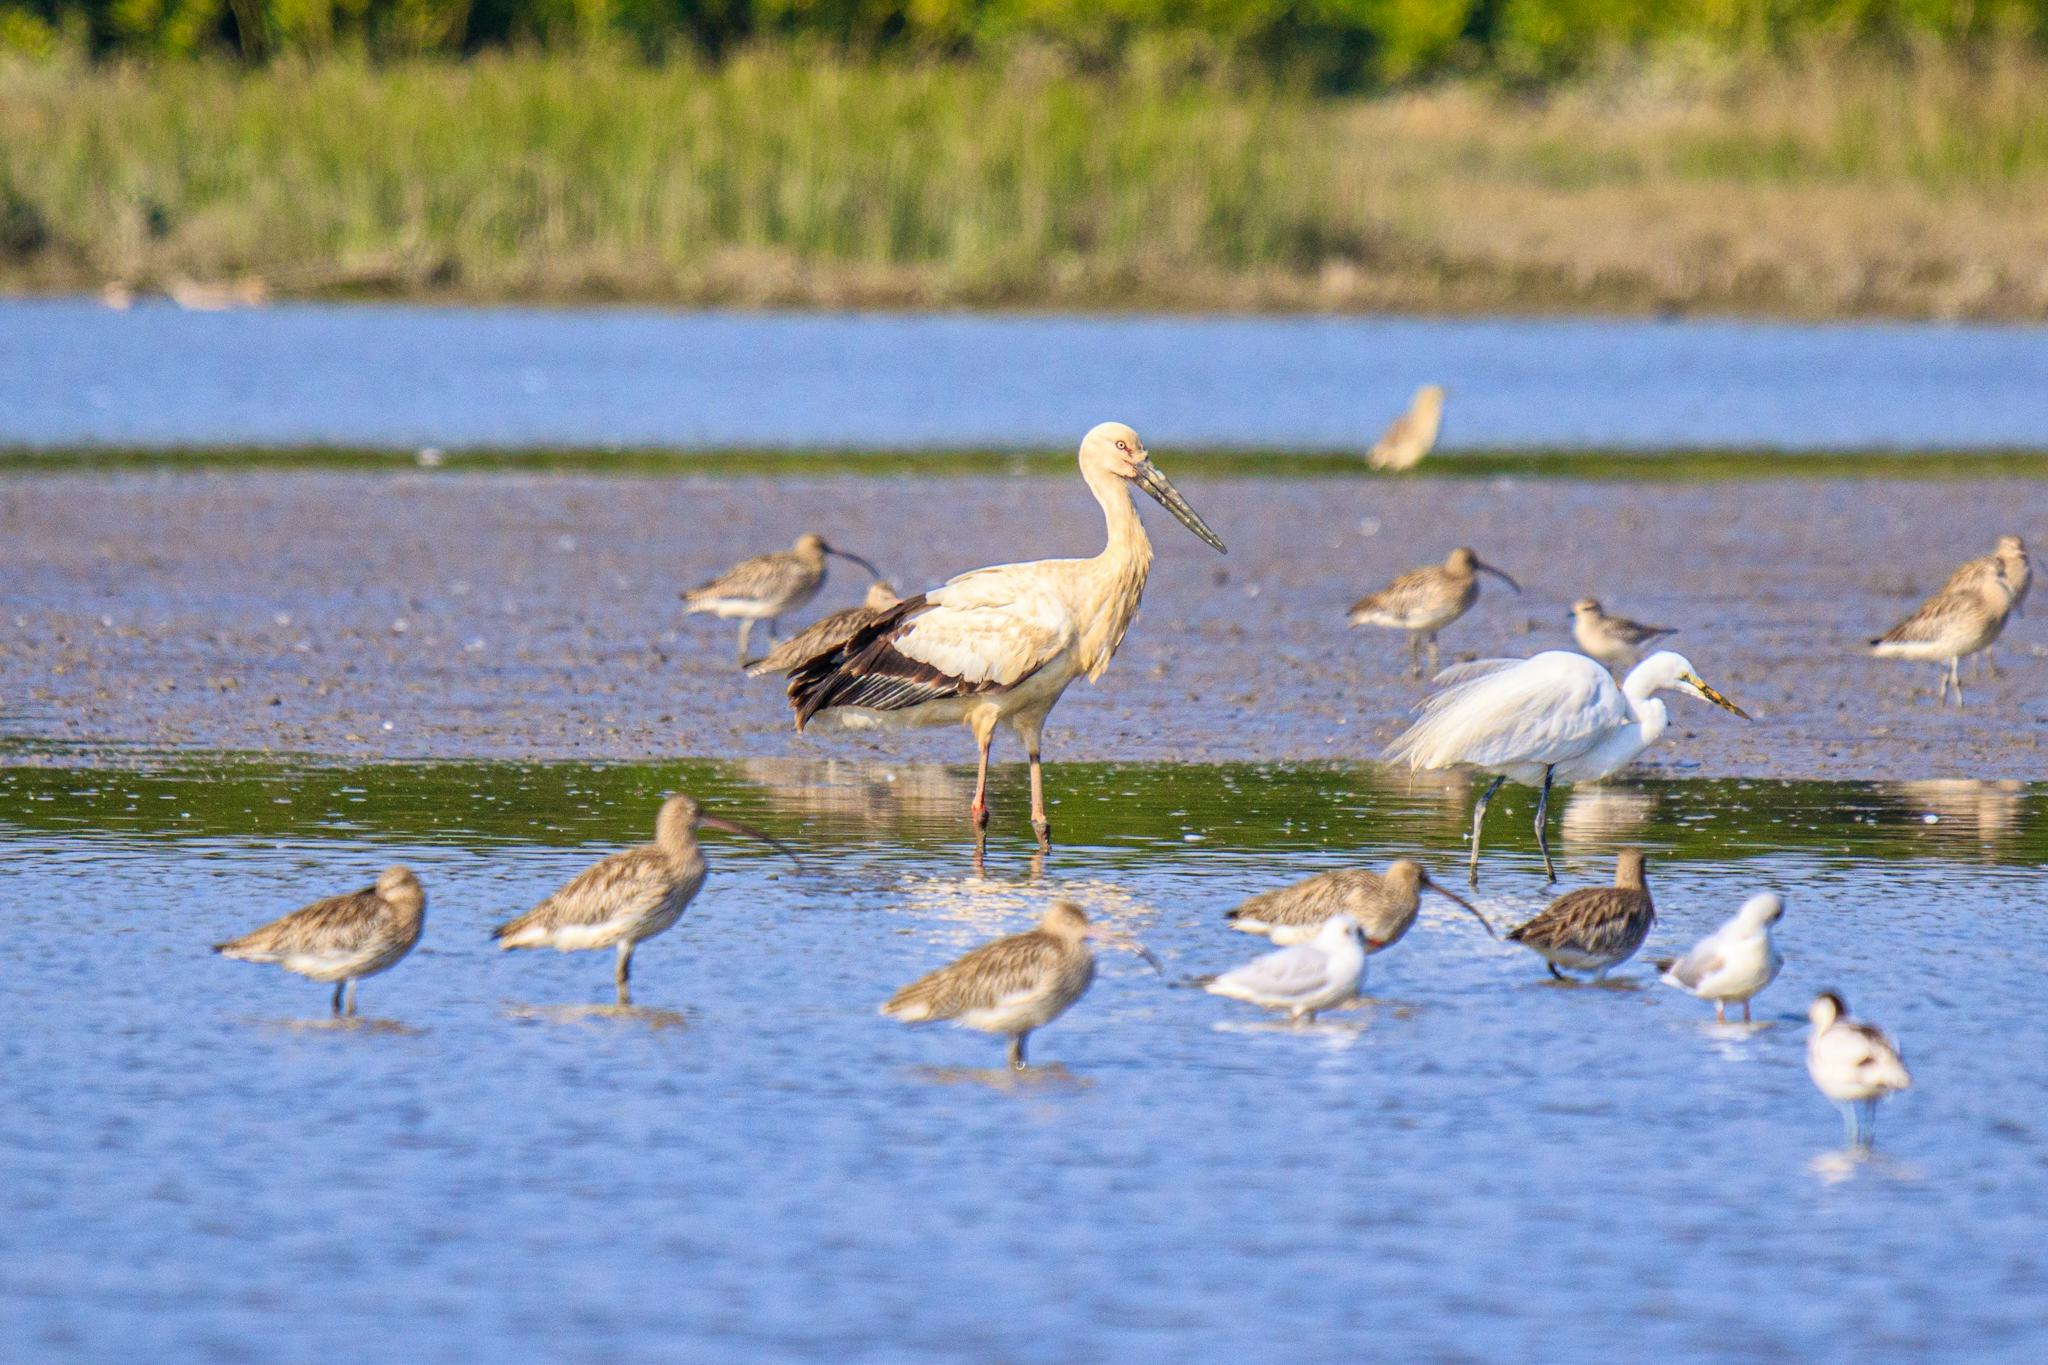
72	372
1475	1165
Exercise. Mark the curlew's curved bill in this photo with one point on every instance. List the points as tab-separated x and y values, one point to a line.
735	827
1161	490
852	558
1429	884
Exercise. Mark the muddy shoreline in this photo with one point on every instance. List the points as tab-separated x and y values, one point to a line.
436	615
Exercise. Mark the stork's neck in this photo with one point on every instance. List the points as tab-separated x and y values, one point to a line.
1116	577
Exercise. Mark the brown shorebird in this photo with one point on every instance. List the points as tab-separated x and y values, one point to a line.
2008	565
1305	978
999	646
1950	626
826	633
1412	435
766	586
629	896
1614	640
1594	929
1852	1063
343	938
1424	601
1384	906
1015	985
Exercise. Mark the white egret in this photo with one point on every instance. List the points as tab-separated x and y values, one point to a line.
1852	1063
1555	718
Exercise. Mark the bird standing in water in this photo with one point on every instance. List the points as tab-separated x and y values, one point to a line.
1733	963
1852	1063
1305	978
343	938
766	586
1597	928
1384	905
630	896
998	646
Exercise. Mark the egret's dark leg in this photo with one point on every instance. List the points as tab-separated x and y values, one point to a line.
1542	813
337	997
1017	1062
1478	818
622	975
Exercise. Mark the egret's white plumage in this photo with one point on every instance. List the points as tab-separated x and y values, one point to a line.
1852	1063
1735	962
1306	977
1557	717
998	646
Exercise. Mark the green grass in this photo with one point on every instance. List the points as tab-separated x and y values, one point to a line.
1840	188
1664	466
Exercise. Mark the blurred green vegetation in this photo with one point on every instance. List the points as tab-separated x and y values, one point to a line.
1340	42
1228	811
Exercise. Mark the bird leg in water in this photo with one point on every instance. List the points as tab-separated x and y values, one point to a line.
1040	825
622	975
1542	816
350	1008
1955	680
746	629
1017	1062
337	997
1720	1011
1479	818
984	735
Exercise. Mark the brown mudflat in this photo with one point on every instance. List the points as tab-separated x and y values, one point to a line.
508	616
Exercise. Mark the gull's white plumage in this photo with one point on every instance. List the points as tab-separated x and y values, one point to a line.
1306	977
1736	961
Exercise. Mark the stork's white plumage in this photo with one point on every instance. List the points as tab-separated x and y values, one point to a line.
1555	717
999	645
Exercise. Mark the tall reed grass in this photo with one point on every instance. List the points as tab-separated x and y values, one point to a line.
1838	188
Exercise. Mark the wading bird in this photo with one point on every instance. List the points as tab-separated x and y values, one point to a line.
1015	985
629	896
1596	928
2009	562
1424	601
1733	963
827	632
1555	718
1305	978
1949	627
1412	435
1852	1063
1383	905
343	938
766	586
998	646
1614	640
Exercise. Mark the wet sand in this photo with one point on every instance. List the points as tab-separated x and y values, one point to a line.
536	617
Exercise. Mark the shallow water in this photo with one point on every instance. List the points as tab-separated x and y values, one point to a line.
72	372
1475	1164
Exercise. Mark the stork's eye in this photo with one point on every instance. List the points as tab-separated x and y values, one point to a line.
1123	447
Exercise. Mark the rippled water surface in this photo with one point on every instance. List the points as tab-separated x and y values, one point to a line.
1474	1164
72	372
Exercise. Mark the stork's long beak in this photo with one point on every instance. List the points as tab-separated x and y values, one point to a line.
1715	697
873	572
735	827
1454	896
1488	568
1162	491
1116	938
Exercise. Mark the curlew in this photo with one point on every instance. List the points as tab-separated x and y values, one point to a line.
1304	978
766	586
2009	562
1597	928
628	897
1384	905
1852	1063
998	646
1014	985
827	632
1735	962
343	938
1614	640
1951	625
1412	435
1557	717
1424	601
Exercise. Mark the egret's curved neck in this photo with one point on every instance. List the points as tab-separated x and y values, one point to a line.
1652	717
